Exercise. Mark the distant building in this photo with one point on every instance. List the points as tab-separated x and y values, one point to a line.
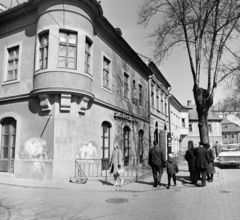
230	132
179	124
214	128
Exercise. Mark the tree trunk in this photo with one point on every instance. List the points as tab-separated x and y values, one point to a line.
203	101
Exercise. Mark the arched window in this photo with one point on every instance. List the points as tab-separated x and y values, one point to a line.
140	136
8	143
105	144
126	135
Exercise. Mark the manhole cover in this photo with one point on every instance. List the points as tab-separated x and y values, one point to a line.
224	191
117	200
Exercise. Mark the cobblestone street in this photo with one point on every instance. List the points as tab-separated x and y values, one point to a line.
219	200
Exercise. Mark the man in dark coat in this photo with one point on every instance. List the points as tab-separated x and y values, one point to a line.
190	158
156	160
202	159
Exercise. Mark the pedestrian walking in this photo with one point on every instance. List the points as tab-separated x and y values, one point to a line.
172	170
210	167
202	158
116	164
190	158
156	160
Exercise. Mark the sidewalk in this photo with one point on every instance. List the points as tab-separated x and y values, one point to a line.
145	184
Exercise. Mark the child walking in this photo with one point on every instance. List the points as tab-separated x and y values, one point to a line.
172	169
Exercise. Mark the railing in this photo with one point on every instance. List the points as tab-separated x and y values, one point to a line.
135	169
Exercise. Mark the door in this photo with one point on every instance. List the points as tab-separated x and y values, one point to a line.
7	154
105	145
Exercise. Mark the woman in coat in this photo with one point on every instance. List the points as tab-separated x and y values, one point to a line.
190	158
116	163
210	167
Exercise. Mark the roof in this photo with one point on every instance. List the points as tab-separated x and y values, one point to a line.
229	126
193	115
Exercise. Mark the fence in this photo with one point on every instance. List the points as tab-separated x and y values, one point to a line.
99	169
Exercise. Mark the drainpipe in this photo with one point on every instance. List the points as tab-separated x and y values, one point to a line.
169	115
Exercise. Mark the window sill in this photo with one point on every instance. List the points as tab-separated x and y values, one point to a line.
10	82
107	89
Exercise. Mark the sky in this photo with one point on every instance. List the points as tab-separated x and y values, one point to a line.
176	69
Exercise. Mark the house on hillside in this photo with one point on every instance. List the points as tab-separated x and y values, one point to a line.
71	87
230	132
214	128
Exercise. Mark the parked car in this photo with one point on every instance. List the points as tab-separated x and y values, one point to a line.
229	155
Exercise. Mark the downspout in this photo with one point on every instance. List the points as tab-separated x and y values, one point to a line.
169	115
149	108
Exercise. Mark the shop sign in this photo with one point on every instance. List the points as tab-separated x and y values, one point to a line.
124	116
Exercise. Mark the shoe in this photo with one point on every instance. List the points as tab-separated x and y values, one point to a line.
116	184
168	187
122	181
210	180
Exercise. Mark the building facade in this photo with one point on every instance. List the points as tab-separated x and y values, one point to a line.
158	98
214	128
230	132
71	88
179	124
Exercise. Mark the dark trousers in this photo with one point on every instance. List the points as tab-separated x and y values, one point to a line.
157	174
192	174
199	171
169	179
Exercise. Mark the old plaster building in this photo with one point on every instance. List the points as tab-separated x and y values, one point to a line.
71	86
159	89
230	132
179	125
214	128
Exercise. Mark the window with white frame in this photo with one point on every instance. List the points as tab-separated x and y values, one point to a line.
67	50
43	50
162	102
126	86
190	128
13	62
88	45
106	73
209	128
166	112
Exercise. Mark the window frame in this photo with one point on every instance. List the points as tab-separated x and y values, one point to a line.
210	128
5	63
88	55
152	94
126	149
190	128
141	148
67	44
10	138
126	86
42	34
140	95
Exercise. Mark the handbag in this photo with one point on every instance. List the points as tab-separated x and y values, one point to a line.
120	171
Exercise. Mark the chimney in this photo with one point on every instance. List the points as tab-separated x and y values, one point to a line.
189	102
2	7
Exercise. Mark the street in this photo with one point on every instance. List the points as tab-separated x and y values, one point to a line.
219	200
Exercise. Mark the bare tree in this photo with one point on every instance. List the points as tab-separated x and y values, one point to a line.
207	28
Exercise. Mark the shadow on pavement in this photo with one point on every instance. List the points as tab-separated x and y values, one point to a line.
143	182
106	183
